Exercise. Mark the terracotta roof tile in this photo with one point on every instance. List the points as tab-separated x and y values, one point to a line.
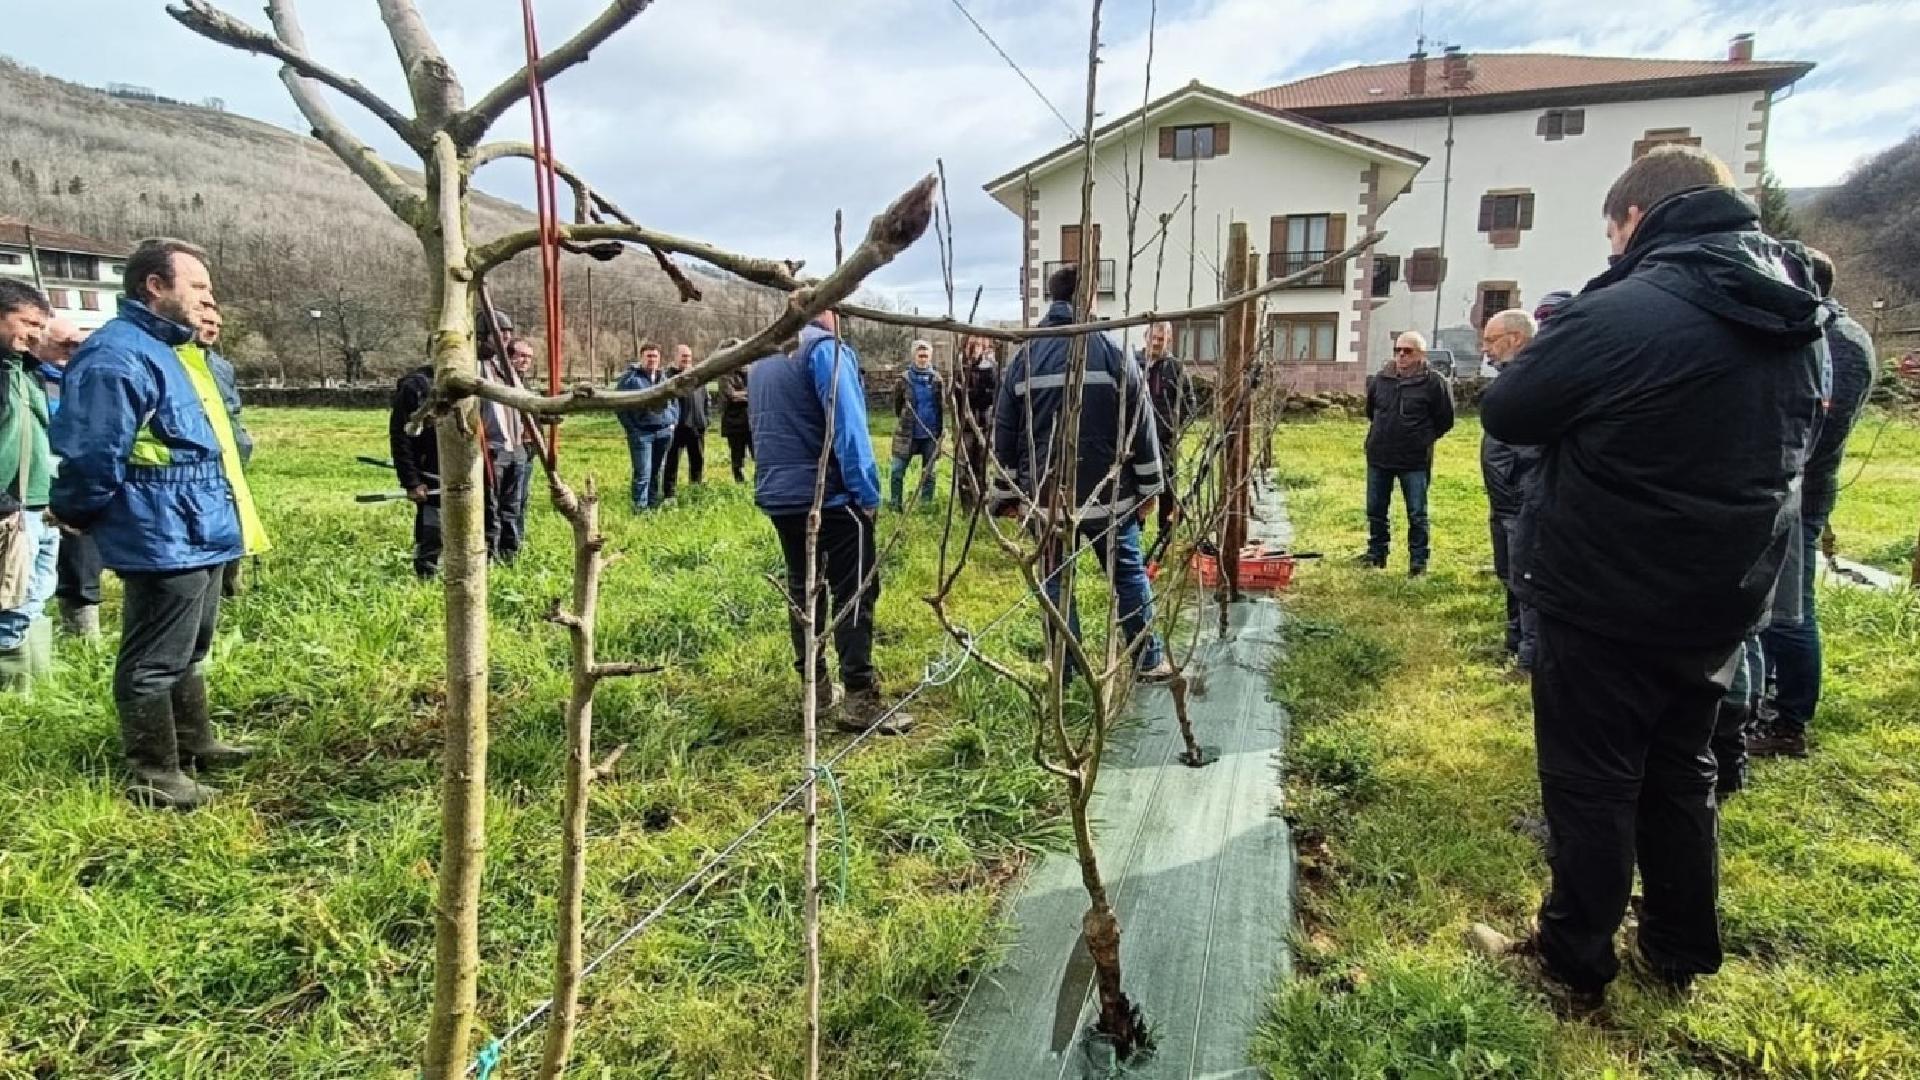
1506	73
13	231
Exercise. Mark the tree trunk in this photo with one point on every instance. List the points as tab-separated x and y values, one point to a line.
1120	1022
463	795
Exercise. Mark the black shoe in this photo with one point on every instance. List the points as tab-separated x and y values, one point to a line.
1678	984
1777	742
1371	562
1418	569
1573	1003
153	756
193	727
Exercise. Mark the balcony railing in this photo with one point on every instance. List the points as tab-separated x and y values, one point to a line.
1283	263
1108	282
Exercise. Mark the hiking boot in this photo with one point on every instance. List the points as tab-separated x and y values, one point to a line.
1730	729
828	700
1525	954
1643	969
1418	569
1157	674
80	620
1532	826
153	756
868	709
193	727
1777	742
1518	674
1371	561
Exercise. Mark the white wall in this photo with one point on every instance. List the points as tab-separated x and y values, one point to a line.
1567	245
105	288
1264	173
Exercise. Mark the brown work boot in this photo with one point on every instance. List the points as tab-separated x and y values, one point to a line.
1777	742
829	696
1640	967
1524	953
867	709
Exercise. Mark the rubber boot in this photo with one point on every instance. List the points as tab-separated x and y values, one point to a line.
40	648
16	668
80	620
193	721
153	756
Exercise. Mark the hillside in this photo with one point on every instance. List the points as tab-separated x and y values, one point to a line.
1870	224
291	230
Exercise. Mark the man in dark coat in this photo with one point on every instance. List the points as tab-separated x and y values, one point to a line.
1409	407
1676	398
1508	472
1172	397
976	386
689	429
1793	650
416	464
736	425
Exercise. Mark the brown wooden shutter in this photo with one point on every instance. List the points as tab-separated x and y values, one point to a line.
1335	276
1540	125
1526	210
1277	234
1166	142
1220	139
1069	243
1575	122
1486	213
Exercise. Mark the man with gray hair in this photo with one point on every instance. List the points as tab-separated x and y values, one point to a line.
1409	407
1509	471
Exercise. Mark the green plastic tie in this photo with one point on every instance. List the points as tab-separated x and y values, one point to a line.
840	811
489	1060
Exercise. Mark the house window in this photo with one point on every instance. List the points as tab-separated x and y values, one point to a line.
1425	269
1191	142
1555	124
60	298
69	266
1297	241
89	300
1504	215
1198	342
1386	271
1105	272
8	258
1661	136
1304	337
1493	297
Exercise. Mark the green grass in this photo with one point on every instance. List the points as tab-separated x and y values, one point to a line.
1410	758
287	930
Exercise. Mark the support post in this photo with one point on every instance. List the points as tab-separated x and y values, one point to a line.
1237	344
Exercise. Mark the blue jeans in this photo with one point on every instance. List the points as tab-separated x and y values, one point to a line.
648	449
1793	652
1119	548
44	541
1413	488
925	450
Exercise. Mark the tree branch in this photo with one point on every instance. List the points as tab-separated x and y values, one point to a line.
470	126
622	669
215	25
772	273
436	92
892	232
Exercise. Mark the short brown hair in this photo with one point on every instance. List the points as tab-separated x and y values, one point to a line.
1663	171
1822	266
154	257
646	347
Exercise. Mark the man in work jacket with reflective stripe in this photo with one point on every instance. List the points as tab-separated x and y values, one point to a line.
149	468
1116	470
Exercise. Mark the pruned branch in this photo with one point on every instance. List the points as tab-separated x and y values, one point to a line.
605	769
892	231
470	126
436	92
772	273
623	669
215	25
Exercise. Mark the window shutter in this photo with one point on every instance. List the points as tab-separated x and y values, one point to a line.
1069	243
1486	213
1277	234
1526	210
1575	122
1220	139
1540	125
1166	142
1335	276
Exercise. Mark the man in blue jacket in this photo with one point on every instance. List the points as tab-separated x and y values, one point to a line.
1650	549
1115	469
804	407
649	431
919	400
143	470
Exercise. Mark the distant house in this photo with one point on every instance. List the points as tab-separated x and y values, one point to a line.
1514	154
80	275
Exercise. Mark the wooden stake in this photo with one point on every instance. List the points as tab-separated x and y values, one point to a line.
1233	387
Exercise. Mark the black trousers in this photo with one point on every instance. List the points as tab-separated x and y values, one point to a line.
166	627
426	537
739	449
79	570
693	444
846	556
1626	777
512	476
1169	506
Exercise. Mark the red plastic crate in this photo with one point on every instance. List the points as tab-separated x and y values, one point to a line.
1259	568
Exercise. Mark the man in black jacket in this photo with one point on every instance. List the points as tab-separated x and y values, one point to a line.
1793	651
416	464
689	431
1509	472
1676	398
1172	397
736	425
1409	407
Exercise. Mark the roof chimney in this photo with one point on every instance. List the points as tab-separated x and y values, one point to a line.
1417	73
1455	68
1740	49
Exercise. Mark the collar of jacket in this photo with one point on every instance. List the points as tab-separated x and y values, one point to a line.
1394	373
170	333
1679	217
1059	313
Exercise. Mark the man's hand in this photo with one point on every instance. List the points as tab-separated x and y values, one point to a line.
1146	508
417	494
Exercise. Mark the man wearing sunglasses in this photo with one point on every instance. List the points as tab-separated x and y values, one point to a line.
1409	406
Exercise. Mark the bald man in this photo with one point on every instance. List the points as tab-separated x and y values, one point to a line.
1409	407
1508	471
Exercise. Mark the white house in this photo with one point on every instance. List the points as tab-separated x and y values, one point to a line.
1518	152
80	275
1211	158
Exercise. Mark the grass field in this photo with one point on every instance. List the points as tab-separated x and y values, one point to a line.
1411	756
286	931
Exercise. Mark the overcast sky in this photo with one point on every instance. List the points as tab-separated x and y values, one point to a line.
747	122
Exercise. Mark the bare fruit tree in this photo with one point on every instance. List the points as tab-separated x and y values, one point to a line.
447	133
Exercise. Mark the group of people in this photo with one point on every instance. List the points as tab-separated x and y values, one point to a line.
123	449
1661	454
